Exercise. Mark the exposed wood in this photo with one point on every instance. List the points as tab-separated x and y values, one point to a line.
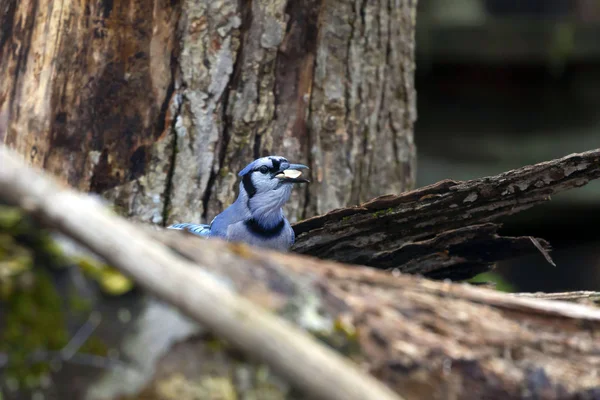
85	93
425	339
443	230
579	296
293	353
158	104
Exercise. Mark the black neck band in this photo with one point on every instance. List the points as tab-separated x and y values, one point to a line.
258	229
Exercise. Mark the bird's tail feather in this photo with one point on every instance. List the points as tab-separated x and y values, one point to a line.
197	229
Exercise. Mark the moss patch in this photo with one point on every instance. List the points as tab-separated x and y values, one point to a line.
381	213
343	339
33	312
501	284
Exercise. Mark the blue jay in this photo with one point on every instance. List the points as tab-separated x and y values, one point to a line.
256	216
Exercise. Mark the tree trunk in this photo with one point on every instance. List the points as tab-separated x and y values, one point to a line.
158	105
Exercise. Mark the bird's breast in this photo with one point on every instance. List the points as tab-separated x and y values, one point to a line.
278	237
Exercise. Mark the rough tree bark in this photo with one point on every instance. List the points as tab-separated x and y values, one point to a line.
157	105
427	339
444	230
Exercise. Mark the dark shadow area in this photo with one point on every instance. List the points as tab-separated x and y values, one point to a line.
504	84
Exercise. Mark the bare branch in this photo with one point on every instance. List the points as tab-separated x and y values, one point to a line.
542	250
565	296
81	336
444	230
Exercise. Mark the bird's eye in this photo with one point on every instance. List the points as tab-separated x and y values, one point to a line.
263	169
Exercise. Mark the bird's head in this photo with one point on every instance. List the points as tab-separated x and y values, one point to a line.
273	173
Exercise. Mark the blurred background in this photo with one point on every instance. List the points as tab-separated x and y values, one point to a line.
507	83
500	84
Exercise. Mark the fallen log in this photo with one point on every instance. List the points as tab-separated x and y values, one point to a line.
444	230
424	339
194	291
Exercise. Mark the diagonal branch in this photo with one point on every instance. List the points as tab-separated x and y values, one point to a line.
578	296
444	230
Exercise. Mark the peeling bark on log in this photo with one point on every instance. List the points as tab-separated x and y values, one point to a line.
443	230
426	339
157	105
429	340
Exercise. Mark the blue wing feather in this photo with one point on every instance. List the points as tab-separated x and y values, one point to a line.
196	229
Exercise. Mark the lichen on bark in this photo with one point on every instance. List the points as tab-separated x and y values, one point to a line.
157	105
363	101
209	42
324	83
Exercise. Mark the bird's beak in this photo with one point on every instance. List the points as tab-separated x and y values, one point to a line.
292	174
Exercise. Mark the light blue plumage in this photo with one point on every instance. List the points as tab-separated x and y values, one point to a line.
256	217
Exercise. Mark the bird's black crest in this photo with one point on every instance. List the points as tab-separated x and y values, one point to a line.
260	230
276	164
